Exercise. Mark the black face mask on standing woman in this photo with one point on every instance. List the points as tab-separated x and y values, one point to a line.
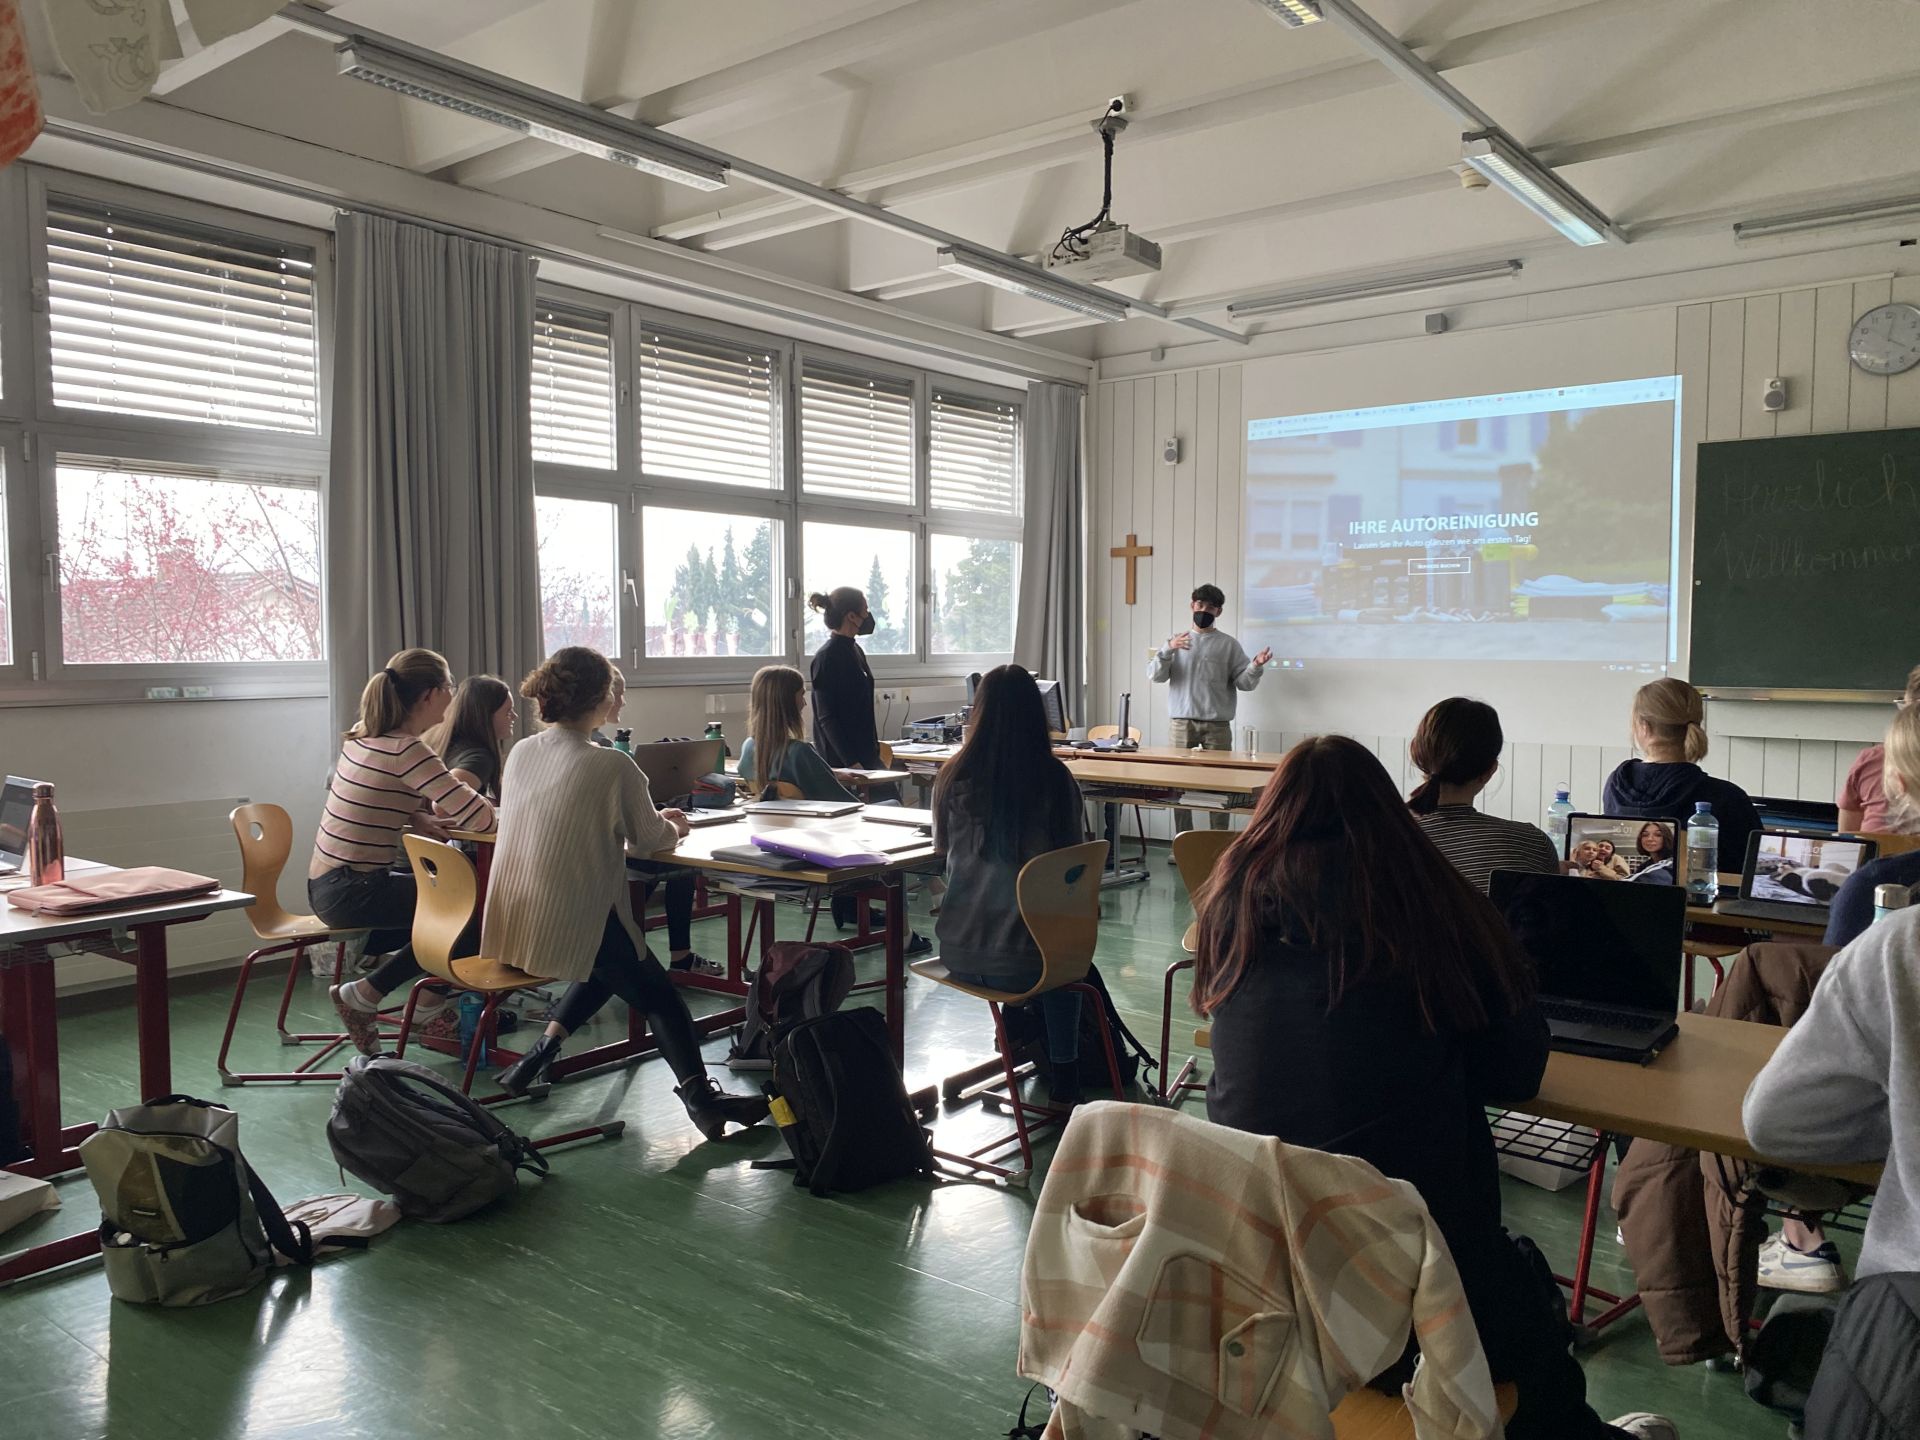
866	625
1203	619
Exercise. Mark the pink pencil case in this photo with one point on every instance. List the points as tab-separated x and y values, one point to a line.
100	890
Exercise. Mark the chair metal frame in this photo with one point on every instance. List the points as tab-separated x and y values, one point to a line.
1195	853
265	835
1059	898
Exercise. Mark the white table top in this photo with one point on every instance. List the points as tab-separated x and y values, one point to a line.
19	927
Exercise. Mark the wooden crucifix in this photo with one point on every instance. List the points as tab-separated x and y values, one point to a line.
1133	552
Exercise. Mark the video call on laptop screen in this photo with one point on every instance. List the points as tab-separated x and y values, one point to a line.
1803	869
1619	847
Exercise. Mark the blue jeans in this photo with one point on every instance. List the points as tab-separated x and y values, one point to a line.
1059	1011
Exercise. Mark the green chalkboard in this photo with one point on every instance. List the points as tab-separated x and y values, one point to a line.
1806	563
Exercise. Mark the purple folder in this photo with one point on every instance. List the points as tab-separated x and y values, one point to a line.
817	847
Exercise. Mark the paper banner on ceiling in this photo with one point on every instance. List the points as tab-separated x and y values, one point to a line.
114	49
20	117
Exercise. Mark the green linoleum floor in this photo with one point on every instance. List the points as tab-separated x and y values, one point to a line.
654	1286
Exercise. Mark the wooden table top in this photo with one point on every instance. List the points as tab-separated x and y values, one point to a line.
20	927
1155	774
1159	756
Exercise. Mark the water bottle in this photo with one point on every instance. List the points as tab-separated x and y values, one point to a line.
471	1005
623	741
1703	855
715	732
1890	900
46	847
1557	814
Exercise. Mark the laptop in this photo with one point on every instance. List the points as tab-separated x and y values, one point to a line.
16	812
1608	957
1793	875
1623	847
673	767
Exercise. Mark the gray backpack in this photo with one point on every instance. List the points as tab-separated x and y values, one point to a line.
184	1220
409	1134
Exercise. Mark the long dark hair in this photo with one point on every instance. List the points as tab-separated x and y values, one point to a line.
1458	741
469	723
1334	862
1007	765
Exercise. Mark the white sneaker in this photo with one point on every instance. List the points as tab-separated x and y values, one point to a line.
1644	1426
1784	1268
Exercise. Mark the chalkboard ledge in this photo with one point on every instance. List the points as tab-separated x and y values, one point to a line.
1840	697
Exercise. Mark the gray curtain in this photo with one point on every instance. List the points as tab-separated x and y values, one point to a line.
1051	636
430	523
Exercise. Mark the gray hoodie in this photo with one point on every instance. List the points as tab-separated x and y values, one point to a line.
1205	677
1845	1083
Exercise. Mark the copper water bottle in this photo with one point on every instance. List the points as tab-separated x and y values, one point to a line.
46	850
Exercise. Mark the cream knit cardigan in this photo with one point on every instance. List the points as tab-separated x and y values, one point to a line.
572	812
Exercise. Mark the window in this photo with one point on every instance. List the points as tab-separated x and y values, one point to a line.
974	456
6	614
877	561
164	566
856	437
976	592
157	318
713	584
579	573
707	411
573	388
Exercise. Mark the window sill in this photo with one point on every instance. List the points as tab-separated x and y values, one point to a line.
47	694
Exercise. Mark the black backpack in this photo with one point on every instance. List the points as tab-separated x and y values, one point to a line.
841	1105
797	981
1027	1038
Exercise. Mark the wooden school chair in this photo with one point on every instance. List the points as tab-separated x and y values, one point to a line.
1059	898
1195	853
1891	844
1369	1415
1112	732
265	833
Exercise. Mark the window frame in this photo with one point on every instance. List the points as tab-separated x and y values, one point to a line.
35	432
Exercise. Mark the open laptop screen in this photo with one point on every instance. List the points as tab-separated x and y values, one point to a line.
16	810
1800	869
1622	847
1602	944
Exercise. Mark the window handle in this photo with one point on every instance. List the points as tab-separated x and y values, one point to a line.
632	589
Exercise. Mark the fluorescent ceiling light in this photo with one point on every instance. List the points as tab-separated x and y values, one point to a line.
1538	188
997	270
1865	213
1367	289
533	113
1291	13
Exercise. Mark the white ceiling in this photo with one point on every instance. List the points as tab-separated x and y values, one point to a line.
1261	158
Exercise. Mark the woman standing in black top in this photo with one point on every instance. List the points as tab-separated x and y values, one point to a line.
1367	1000
843	727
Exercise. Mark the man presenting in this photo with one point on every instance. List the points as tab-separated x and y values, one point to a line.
1205	666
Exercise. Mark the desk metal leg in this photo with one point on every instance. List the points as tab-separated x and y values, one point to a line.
26	1005
150	1007
1117	874
896	988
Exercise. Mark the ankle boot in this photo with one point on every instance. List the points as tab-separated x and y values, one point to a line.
531	1068
710	1107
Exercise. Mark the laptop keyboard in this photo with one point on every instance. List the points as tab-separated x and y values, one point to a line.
1572	1012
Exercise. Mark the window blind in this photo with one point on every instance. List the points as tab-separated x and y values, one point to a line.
856	437
975	454
153	317
708	412
573	388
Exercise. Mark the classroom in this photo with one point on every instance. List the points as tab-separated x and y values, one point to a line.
922	719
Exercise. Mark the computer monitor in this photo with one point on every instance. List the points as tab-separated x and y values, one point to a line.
1055	704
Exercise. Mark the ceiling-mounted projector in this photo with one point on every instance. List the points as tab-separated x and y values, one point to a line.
1102	249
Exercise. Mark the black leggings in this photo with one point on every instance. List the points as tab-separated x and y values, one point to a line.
678	903
638	980
382	900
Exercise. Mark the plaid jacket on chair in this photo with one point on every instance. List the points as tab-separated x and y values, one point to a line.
1191	1282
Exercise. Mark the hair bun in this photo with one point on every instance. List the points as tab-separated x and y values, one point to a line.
817	601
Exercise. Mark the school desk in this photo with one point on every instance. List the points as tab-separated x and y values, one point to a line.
28	1022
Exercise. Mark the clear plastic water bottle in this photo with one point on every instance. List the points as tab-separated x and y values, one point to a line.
1557	814
1890	900
1703	855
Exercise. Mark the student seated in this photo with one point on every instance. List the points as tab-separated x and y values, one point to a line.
385	779
1366	999
774	749
1853	907
1668	730
677	880
1457	748
1863	794
1000	802
469	740
557	902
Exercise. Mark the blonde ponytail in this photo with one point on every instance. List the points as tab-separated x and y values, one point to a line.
392	692
1674	716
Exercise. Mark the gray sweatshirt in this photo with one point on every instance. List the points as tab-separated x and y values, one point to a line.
1845	1083
1205	676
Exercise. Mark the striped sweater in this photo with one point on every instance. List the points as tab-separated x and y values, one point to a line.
378	786
1479	844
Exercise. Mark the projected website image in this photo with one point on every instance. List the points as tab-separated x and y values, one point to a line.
1536	525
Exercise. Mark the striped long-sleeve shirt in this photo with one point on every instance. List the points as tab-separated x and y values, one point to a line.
378	786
